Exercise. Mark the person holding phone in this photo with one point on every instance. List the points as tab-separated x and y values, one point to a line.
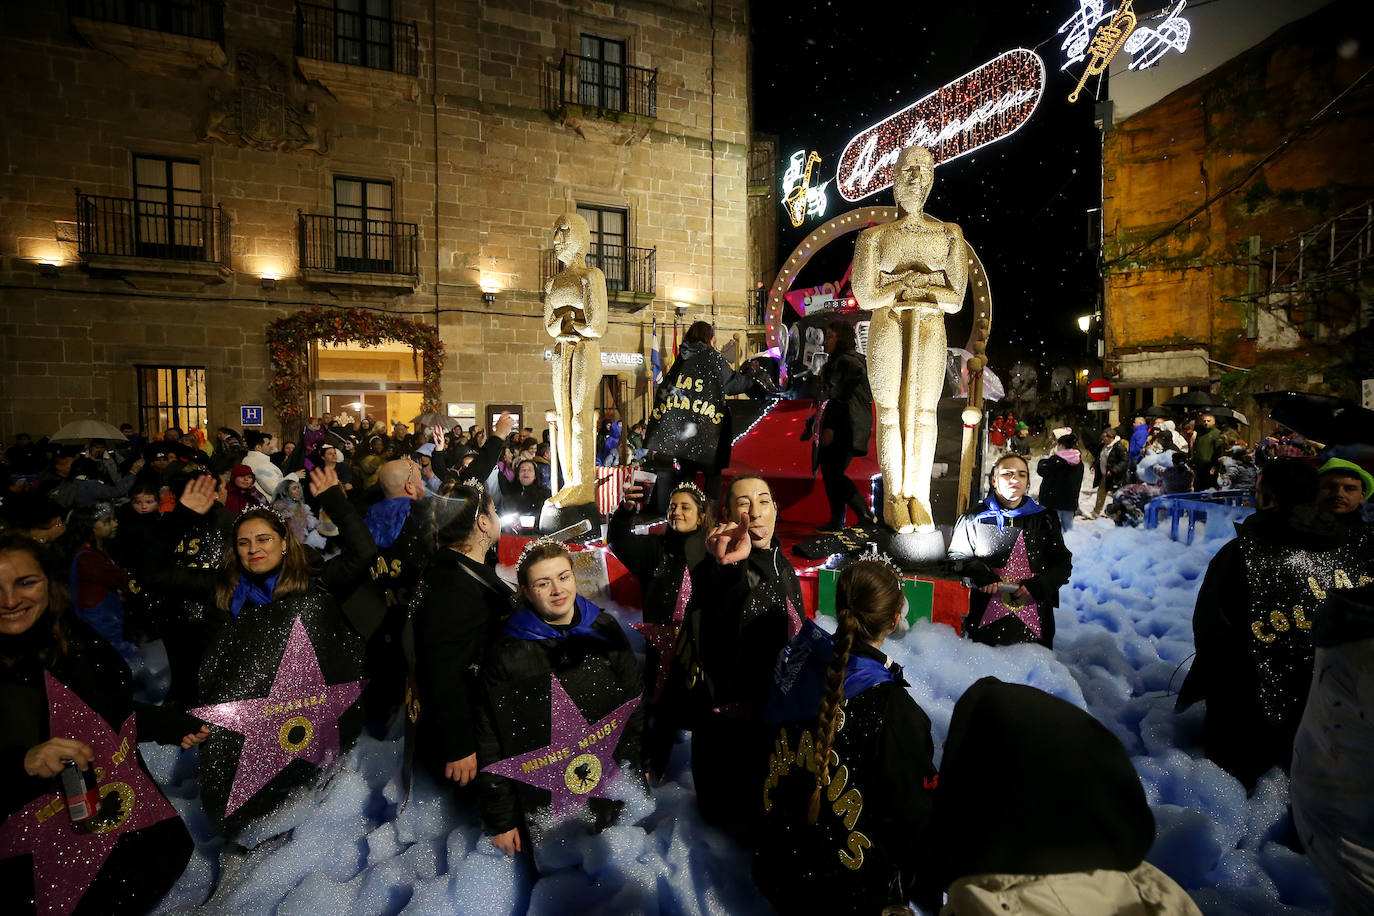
663	564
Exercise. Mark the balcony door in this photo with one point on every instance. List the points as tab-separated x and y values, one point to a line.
601	76
169	219
362	33
609	246
364	223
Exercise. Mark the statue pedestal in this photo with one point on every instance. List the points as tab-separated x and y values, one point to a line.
916	548
552	518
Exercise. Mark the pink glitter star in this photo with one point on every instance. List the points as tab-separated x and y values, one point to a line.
64	860
663	636
578	762
1017	570
298	719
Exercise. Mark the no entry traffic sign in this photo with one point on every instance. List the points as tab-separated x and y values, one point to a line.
1100	390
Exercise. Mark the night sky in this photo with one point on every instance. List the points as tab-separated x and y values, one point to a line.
826	69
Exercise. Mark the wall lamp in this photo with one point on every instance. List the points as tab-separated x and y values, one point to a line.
269	281
488	296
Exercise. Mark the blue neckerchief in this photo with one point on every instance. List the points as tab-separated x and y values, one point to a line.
526	624
800	674
247	590
386	518
993	509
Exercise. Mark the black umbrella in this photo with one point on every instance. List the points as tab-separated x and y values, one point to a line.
1196	399
1332	420
1229	413
1157	411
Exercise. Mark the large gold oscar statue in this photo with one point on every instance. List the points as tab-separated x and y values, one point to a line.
909	273
575	315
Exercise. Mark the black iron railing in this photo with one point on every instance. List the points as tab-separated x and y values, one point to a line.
130	228
192	18
354	245
351	37
605	86
627	270
758	306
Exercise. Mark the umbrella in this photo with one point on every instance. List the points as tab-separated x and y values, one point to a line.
1332	420
1156	410
1229	413
85	430
1196	399
435	419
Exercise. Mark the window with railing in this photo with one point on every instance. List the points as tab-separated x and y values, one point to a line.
191	18
601	81
361	235
171	396
163	219
629	271
357	32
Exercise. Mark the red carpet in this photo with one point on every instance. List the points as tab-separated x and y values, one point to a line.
773	449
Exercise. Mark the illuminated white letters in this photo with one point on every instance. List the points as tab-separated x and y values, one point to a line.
980	107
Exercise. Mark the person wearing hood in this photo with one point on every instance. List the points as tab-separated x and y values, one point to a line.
848	790
662	563
1029	825
290	504
1140	434
1007	540
242	493
1061	478
1332	788
1171	437
691	418
1252	624
554	633
746	604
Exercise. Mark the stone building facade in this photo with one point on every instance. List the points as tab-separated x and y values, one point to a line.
1231	208
180	175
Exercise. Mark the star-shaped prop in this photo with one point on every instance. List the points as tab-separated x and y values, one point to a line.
297	720
578	762
1017	570
65	861
663	636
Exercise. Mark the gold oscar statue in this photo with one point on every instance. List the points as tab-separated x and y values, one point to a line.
575	315
909	273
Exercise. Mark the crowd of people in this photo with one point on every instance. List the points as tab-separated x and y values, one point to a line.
379	548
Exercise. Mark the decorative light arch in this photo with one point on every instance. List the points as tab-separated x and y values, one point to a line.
854	221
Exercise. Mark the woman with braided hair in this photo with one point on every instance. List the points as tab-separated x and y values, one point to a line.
848	791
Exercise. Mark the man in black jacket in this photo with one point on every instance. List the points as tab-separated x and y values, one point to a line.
846	423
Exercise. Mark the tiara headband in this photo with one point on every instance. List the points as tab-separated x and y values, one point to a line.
694	490
877	556
535	545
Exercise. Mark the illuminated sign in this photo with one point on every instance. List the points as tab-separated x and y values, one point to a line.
980	107
1147	45
798	197
1109	39
1118	29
